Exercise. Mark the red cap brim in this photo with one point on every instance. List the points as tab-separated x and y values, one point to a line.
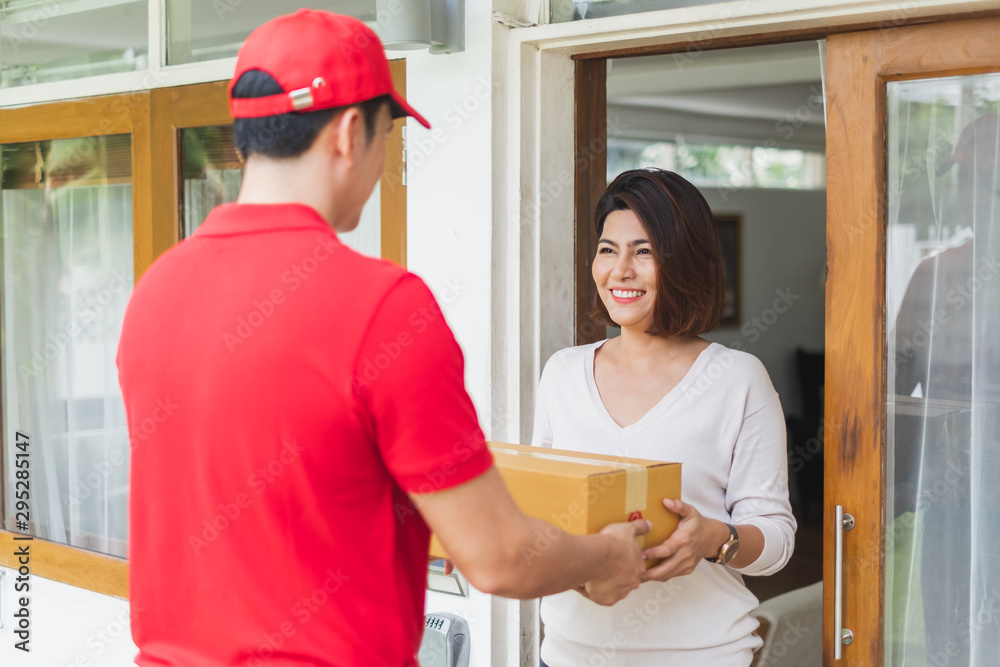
407	109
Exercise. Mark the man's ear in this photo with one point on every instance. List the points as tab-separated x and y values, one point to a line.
349	135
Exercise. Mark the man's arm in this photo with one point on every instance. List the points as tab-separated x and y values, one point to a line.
503	552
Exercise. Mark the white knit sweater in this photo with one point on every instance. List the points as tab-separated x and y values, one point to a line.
724	423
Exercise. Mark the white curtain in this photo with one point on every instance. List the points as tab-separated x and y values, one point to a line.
67	276
943	312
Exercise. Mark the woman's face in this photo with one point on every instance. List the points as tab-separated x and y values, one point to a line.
625	272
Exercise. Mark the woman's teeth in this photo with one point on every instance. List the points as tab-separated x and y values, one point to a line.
627	294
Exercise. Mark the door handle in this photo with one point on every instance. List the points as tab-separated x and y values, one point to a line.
841	636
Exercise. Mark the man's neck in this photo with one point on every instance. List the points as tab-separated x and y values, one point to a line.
289	181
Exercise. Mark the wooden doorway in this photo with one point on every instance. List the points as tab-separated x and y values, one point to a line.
860	68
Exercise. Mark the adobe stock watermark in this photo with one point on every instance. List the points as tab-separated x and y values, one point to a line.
421	147
303	610
258	482
694	51
418	322
93	306
752	329
101	471
562	183
634	621
30	24
769	316
264	308
958	297
99	641
788	635
438	478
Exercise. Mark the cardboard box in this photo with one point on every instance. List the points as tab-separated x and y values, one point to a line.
582	493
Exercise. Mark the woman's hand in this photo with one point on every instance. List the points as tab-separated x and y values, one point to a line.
697	537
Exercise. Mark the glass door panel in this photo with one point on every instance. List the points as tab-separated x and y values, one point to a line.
942	580
212	175
67	274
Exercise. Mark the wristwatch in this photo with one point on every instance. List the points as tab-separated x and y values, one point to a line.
729	549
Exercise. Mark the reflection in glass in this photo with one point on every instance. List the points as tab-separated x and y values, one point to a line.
198	31
56	40
943	314
561	11
212	174
722	165
67	272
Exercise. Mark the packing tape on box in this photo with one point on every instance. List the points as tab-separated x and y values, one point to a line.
635	474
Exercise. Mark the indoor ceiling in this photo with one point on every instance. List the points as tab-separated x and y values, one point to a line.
749	94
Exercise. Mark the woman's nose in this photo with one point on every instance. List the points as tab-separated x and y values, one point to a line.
622	268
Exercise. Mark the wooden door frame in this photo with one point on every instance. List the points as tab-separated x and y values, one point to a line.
855	292
859	66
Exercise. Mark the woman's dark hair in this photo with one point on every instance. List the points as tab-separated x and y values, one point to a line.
690	290
288	134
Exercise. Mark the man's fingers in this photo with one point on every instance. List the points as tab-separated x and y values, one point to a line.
641	526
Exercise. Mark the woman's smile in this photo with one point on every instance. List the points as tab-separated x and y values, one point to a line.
624	296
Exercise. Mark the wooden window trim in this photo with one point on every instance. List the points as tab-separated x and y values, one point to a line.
66	564
154	120
99	116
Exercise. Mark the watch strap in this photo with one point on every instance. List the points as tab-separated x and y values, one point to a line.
733	537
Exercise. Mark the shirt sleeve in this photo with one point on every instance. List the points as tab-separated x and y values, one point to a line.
758	487
409	377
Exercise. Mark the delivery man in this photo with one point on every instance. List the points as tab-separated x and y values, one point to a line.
298	416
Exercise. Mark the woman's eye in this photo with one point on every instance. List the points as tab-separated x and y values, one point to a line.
644	251
603	251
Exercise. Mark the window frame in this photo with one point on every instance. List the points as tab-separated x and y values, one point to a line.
155	120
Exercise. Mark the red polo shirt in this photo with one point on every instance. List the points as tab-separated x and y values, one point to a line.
283	394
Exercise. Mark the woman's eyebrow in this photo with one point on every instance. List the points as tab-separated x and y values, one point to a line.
631	244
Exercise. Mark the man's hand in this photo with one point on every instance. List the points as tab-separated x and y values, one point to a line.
626	564
697	537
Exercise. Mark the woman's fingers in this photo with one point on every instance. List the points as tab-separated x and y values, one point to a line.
680	507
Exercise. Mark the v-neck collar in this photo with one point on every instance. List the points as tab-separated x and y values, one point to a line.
661	406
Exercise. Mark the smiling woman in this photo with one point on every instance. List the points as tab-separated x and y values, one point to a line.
662	392
684	278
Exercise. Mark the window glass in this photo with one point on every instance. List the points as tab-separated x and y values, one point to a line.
212	175
561	11
722	165
198	31
55	40
67	274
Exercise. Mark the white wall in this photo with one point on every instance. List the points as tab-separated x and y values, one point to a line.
70	627
784	255
449	244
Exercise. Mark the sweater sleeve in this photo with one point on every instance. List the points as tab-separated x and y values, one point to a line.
758	487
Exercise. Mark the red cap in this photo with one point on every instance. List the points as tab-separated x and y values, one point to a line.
322	60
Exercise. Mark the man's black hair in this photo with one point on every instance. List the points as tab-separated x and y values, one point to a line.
288	134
